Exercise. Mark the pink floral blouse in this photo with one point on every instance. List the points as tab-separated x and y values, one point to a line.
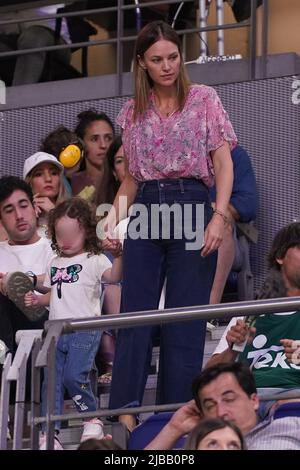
177	146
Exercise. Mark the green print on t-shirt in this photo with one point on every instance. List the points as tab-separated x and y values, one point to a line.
68	274
265	355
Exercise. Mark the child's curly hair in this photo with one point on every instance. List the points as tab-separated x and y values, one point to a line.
76	208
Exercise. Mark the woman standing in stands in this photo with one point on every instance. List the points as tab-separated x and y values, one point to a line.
177	140
96	131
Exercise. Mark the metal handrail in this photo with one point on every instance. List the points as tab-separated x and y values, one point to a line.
101	413
46	355
107	413
90	12
76	45
252	43
202	312
4	401
54	328
264	39
15	371
120	8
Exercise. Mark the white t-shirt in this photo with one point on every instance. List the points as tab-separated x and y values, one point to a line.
34	257
76	285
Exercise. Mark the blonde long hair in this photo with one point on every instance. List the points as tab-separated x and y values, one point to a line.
150	34
62	194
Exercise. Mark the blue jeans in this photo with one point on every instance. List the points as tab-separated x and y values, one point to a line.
189	279
75	354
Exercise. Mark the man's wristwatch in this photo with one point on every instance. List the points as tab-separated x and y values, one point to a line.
32	277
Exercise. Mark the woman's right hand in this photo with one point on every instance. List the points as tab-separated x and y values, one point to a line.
213	236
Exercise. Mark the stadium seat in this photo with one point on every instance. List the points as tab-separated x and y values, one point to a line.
287	409
145	432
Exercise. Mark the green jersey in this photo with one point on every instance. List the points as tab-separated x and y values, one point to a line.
265	355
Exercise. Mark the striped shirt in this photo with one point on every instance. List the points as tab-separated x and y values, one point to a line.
275	434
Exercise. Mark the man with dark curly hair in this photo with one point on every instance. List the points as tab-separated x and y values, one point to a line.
264	350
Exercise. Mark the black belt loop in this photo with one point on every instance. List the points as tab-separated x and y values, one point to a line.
181	186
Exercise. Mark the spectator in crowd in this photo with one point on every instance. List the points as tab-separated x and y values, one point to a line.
107	187
68	148
228	391
264	352
242	207
24	251
215	434
116	159
173	134
27	35
45	175
74	277
99	444
96	130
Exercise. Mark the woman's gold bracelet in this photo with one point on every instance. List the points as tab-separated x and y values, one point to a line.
224	217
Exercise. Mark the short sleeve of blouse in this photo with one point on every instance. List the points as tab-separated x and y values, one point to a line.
219	127
125	116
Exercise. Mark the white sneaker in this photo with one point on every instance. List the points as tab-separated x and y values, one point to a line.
92	429
42	443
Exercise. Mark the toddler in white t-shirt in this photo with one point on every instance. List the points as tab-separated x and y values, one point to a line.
75	277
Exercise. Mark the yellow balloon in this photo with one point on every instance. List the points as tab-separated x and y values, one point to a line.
70	156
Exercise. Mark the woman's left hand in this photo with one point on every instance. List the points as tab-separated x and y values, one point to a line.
213	235
114	246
